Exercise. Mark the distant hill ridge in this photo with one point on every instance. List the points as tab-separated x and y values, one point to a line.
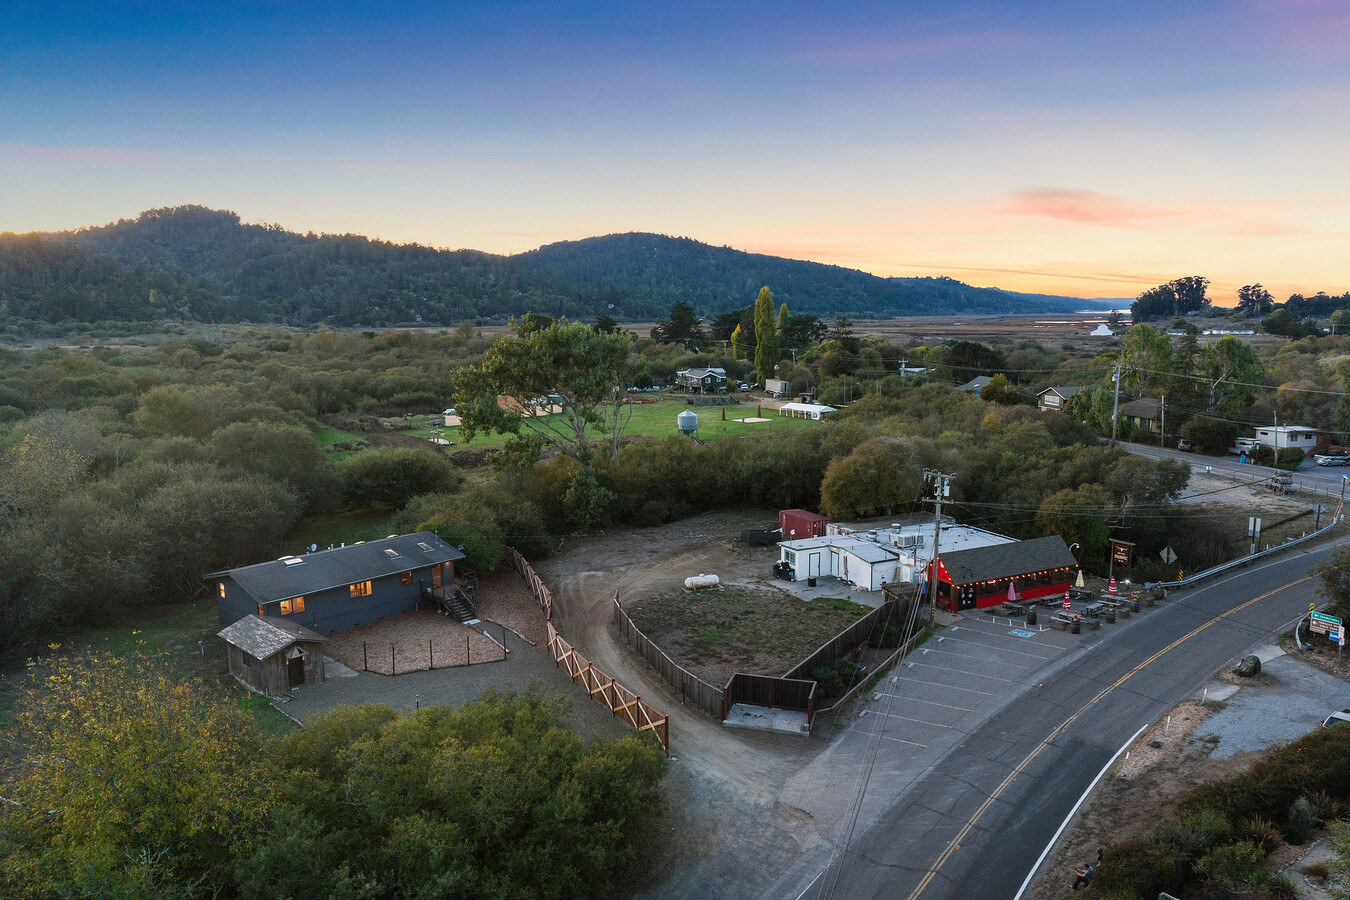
204	264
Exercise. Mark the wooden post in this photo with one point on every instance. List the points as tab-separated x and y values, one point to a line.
468	659
503	642
365	658
431	657
393	666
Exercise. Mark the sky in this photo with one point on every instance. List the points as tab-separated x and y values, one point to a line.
1087	149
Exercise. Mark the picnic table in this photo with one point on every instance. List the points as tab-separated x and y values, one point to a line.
1095	609
1012	610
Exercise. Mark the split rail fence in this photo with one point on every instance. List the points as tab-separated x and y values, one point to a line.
691	688
621	701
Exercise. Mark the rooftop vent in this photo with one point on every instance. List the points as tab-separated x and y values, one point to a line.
293	561
392	554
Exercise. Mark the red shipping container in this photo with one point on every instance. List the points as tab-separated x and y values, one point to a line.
798	523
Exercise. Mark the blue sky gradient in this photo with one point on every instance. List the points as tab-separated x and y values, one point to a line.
1059	147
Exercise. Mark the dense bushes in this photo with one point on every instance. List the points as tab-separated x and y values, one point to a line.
129	783
1219	835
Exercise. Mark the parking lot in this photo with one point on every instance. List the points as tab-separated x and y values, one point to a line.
960	677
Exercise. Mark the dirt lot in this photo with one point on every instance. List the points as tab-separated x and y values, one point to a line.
717	633
417	639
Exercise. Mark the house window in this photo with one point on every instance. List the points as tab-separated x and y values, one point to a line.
360	589
222	590
790	556
407	578
260	610
294	605
1051	400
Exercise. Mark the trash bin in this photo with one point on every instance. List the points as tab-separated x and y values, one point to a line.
811	582
1075	627
1134	603
1110	616
1031	615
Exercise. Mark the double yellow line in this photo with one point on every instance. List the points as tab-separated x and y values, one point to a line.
1021	767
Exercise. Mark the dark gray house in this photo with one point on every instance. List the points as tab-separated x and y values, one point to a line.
333	590
702	381
271	656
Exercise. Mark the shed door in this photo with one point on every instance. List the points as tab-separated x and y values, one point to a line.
834	563
812	565
435	576
295	670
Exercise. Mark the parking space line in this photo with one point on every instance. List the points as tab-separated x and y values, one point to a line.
953	687
887	737
907	719
964	672
1014	665
929	702
997	649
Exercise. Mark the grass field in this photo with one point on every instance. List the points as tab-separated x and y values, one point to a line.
655	420
763	630
327	437
342	528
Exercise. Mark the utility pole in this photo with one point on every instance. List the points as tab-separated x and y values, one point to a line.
1115	405
942	489
1162	437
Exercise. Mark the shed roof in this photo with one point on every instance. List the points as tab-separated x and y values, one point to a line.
806	407
297	576
1006	560
979	382
261	638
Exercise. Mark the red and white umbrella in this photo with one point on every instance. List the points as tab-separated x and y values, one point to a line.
1111	588
1066	601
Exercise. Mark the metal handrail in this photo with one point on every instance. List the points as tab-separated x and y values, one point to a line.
1243	560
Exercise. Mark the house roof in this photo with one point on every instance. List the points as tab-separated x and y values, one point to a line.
1064	391
296	576
1004	560
975	384
261	638
1141	409
702	372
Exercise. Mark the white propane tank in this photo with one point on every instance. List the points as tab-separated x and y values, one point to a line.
698	582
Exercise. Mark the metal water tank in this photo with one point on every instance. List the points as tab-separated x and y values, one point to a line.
687	422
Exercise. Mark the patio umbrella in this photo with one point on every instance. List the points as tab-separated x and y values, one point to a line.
1079	582
1012	594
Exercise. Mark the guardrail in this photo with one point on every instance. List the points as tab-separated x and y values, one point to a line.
1243	560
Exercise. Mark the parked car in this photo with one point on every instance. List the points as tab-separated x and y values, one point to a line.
1337	718
744	387
448	412
1248	446
1184	444
1333	458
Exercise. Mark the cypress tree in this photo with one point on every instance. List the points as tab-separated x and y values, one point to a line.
766	338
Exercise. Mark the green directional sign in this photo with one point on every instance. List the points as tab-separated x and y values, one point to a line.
1323	624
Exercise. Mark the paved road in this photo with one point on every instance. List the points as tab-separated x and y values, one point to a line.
972	825
1310	478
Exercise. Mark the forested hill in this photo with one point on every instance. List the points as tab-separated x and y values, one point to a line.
196	263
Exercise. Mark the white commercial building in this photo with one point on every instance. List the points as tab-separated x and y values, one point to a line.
868	559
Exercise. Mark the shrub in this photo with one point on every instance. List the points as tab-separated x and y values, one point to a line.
1235	868
1260	832
1289	458
1194	833
1140	867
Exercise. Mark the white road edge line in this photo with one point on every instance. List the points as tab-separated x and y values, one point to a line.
1065	824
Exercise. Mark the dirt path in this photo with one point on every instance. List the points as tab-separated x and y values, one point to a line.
723	784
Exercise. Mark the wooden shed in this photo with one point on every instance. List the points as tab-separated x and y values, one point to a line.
271	656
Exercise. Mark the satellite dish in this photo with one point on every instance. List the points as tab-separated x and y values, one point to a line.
313	547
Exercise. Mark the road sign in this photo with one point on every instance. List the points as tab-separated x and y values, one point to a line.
1122	552
1338	636
1168	555
1321	623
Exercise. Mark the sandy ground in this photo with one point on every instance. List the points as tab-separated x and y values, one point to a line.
417	639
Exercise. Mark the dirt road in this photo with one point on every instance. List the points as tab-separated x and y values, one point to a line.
724	784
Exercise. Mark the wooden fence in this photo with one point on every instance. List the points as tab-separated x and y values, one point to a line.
766	690
621	701
692	690
846	641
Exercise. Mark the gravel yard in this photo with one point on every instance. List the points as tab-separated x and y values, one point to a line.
505	599
417	639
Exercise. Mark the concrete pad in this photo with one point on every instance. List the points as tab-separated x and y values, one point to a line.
753	420
334	669
763	718
1269	652
1217	691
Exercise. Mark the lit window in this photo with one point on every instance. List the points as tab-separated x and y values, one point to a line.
294	605
360	589
407	578
222	590
260	610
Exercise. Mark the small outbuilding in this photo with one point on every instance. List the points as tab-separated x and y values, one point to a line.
1145	414
976	384
271	656
800	523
